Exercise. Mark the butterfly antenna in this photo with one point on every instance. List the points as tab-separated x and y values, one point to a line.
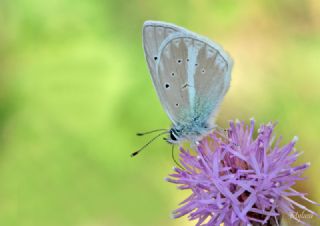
152	131
172	154
149	142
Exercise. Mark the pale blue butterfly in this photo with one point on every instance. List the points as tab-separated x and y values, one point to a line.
191	75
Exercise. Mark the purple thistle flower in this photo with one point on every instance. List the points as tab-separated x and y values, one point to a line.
237	179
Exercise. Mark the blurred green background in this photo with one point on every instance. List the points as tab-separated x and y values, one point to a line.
74	90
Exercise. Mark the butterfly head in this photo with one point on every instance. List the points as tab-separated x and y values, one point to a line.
189	132
174	136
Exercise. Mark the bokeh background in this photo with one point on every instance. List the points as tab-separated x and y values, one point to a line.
74	90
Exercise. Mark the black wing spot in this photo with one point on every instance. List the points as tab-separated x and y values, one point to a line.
177	105
196	64
203	71
188	59
155	58
167	85
172	73
179	61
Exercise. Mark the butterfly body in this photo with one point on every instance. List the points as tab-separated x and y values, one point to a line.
191	75
192	129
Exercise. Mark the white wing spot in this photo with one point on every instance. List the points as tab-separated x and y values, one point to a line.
198	44
176	42
169	31
166	51
210	52
187	42
220	62
160	30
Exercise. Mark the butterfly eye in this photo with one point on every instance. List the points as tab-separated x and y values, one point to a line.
173	136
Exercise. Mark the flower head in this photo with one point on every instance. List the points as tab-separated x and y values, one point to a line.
237	179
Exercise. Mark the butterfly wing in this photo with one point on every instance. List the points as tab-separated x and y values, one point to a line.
212	78
190	73
154	34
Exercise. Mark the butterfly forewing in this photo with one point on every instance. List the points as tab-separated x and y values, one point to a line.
172	74
154	33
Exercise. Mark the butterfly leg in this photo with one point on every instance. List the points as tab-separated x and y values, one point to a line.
222	132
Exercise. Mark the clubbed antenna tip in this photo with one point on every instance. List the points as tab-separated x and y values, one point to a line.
134	153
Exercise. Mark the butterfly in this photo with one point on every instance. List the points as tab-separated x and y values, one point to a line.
191	75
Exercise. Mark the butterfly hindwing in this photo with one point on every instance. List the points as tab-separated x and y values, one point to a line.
212	79
191	74
193	78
